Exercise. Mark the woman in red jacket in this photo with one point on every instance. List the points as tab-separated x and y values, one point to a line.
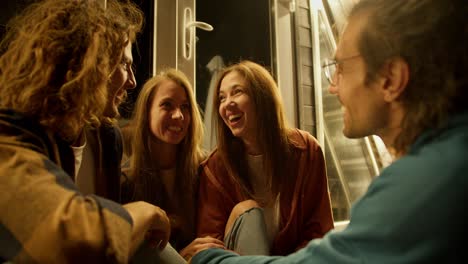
264	189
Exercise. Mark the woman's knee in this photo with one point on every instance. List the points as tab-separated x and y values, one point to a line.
243	207
238	210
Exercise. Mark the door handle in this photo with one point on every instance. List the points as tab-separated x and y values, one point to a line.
188	35
200	25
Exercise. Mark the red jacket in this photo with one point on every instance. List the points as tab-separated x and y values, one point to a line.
305	210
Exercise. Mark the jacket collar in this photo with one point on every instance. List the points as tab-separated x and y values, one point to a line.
459	121
29	133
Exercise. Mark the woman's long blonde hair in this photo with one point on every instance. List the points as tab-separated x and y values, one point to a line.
57	59
189	156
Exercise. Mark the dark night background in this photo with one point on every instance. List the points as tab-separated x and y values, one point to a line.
241	31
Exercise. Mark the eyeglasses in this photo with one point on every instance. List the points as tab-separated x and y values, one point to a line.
329	68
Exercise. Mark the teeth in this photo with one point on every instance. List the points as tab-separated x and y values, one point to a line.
231	117
175	128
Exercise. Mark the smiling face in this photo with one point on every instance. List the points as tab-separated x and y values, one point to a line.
236	107
121	80
364	109
170	113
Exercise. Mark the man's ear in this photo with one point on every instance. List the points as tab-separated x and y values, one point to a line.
396	74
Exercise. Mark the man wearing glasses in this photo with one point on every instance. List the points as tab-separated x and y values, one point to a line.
400	73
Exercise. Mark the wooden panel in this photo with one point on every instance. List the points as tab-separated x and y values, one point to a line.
303	3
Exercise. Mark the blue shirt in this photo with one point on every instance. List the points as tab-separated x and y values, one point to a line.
414	212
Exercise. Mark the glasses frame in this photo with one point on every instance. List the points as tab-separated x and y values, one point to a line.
331	74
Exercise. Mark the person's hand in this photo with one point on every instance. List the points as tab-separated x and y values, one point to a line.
150	223
159	231
200	244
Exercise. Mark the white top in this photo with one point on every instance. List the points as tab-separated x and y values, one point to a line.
78	152
85	169
259	184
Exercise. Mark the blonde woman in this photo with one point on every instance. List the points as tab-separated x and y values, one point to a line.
165	154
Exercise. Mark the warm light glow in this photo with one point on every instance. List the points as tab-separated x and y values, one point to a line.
317	4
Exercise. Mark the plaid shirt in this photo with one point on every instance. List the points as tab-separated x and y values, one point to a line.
44	218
